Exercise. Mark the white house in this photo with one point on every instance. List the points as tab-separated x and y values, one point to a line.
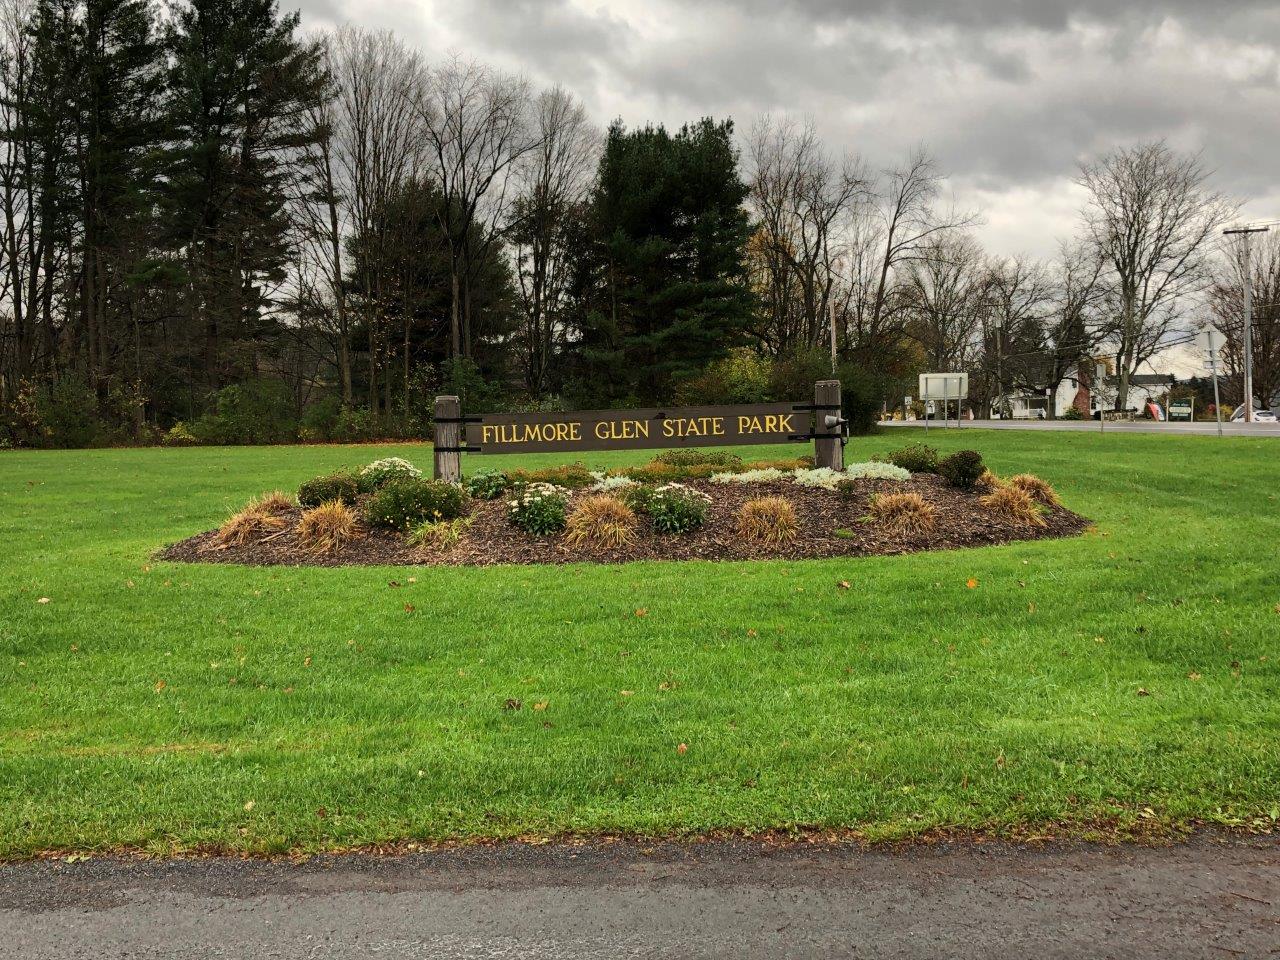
1034	404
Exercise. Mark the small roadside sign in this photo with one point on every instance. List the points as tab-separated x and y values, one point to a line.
1182	410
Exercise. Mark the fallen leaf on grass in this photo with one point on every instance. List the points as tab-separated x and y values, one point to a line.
249	806
409	608
512	704
682	749
642	611
626	693
160	685
971	583
540	705
44	600
1193	676
843	584
1144	692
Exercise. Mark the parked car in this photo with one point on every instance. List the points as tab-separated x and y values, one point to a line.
1260	415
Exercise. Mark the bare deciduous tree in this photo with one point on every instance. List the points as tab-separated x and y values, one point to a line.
554	182
1151	217
1226	302
805	202
477	128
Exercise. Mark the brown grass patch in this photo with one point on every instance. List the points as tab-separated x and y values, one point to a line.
1014	505
1037	489
768	520
602	520
277	501
327	527
903	513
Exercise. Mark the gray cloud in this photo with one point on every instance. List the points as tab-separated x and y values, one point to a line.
1010	95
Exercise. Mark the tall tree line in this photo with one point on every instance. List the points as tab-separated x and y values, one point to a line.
210	221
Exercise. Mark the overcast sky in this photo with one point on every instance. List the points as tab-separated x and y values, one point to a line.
1010	96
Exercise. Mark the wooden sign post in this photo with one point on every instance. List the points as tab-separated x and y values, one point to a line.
448	453
828	425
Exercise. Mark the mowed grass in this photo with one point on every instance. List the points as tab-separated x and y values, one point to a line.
173	707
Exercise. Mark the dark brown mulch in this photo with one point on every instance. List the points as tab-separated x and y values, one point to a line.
491	539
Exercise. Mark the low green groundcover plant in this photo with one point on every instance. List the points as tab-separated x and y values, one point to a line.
486	485
406	502
342	486
675	508
961	469
573	476
374	475
876	470
539	508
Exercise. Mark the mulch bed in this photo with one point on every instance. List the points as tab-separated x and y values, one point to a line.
491	539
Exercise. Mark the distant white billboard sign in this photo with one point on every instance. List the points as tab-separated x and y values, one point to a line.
944	386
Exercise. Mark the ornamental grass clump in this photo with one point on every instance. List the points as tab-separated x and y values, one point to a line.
257	519
440	533
675	508
405	502
988	481
768	520
906	514
1013	505
962	469
376	474
539	508
334	486
601	521
1037	489
328	527
277	501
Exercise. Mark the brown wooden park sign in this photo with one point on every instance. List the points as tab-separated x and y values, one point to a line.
641	429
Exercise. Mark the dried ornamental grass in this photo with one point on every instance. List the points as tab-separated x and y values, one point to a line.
257	519
903	513
277	501
988	481
326	528
1014	505
602	521
1039	490
768	520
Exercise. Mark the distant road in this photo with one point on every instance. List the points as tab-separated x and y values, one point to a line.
1214	898
1137	426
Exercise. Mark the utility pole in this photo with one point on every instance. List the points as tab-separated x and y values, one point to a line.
831	302
1244	233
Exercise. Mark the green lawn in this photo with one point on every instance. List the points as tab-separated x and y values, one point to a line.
172	707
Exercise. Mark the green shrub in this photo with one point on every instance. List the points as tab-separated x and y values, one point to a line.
695	458
674	508
1072	413
335	486
962	469
406	502
539	508
916	458
378	473
258	411
179	435
353	425
486	485
573	476
69	413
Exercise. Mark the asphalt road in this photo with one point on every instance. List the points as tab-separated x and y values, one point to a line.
1137	426
1212	897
